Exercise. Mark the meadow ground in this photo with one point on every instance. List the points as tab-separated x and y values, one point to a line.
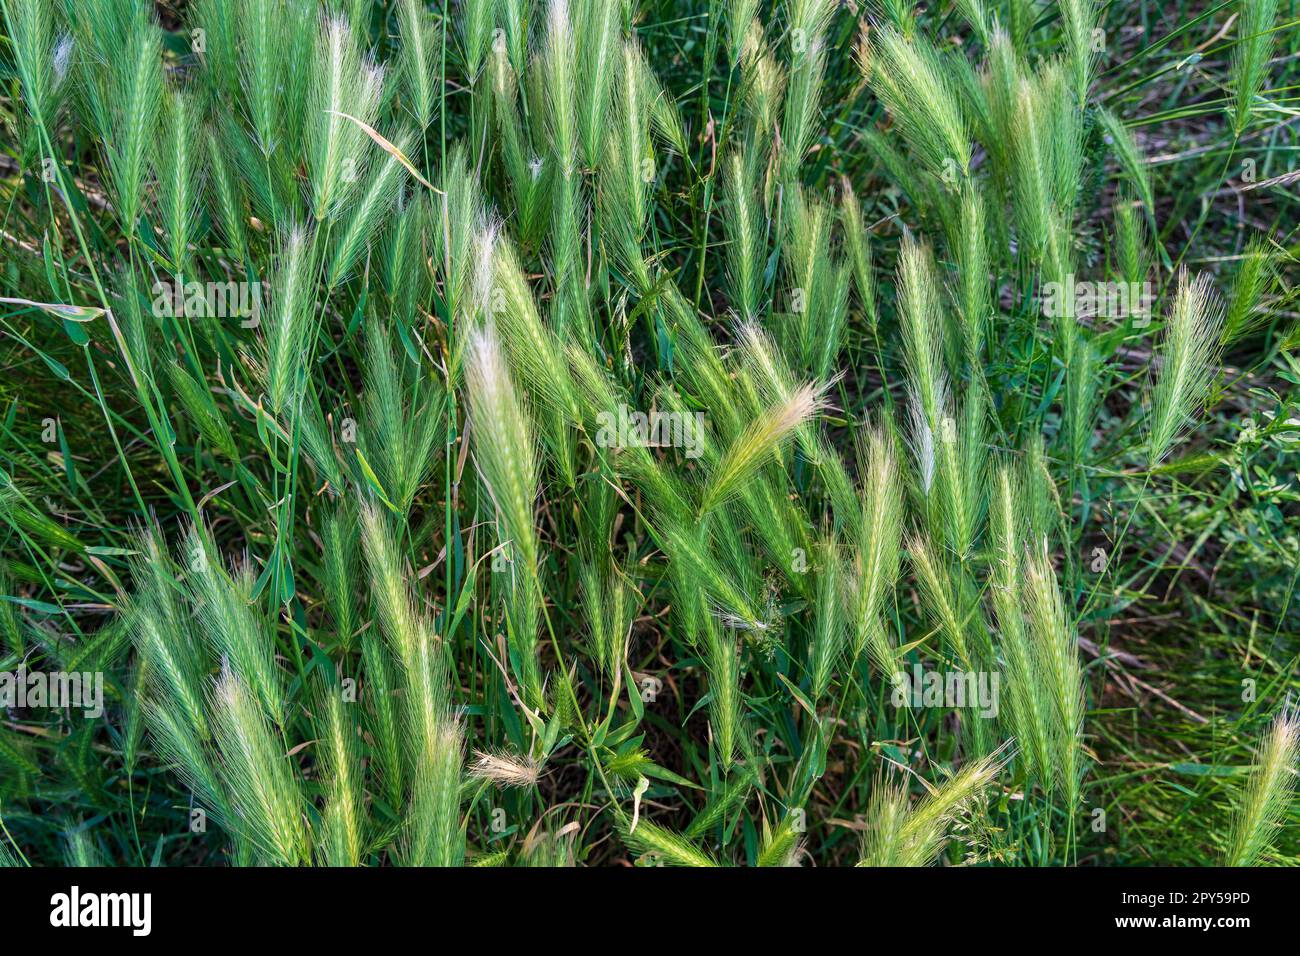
549	432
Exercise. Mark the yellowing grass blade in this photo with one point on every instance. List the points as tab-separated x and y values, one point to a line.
73	313
389	148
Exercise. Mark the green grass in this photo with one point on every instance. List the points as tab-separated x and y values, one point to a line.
372	571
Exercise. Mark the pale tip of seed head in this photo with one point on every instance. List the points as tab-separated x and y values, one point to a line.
504	768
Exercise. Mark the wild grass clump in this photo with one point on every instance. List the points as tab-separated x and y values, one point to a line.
702	434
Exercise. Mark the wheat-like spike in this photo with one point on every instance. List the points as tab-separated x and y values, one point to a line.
506	451
922	328
1081	398
1022	17
780	844
740	17
398	620
339	566
1188	352
977	15
343	818
160	636
830	630
939	595
229	214
31	27
665	116
506	455
175	743
476	21
403	419
628	166
1064	129
1133	255
229	623
80	849
999	81
435	742
292	327
555	72
533	349
263	785
515	17
858	246
1058	674
420	42
908	77
1250	57
757	444
802	102
318	446
897	835
260	67
1028	715
1252	282
774	381
12	639
921	439
1268	792
611	604
174	664
1079	19
924	831
764	81
887	810
137	97
384	722
598	59
1130	157
725	799
813	334
1030	155
378	196
973	270
672	848
346	87
178	177
878	553
505	769
699	570
745	238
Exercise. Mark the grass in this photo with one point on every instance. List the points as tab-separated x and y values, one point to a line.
956	341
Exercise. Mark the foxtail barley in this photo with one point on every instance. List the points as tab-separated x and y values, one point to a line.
1250	58
506	453
1187	353
1268	792
900	835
